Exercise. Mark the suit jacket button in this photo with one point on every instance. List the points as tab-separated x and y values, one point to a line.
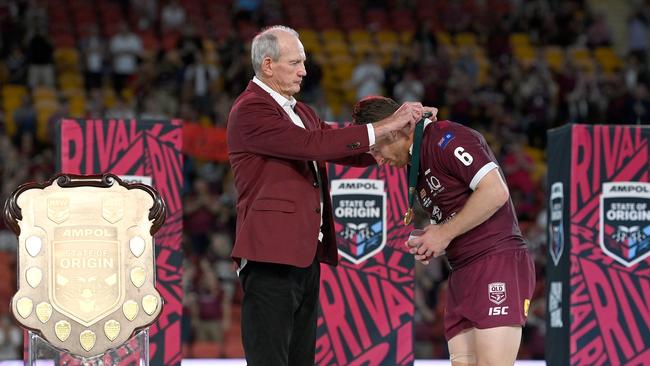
316	184
317	209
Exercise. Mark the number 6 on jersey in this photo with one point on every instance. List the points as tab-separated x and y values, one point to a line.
463	156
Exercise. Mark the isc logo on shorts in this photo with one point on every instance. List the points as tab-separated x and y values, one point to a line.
497	295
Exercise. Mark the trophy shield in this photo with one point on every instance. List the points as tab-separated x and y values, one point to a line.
86	268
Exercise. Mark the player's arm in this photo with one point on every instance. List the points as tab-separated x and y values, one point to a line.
490	194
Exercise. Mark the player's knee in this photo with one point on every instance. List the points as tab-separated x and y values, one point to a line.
462	359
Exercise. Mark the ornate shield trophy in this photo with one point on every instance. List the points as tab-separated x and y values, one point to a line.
86	264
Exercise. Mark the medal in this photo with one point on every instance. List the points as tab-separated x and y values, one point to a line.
415	169
408	216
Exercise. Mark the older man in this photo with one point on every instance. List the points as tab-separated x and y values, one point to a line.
278	148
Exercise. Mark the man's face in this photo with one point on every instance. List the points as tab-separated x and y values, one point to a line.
289	69
393	150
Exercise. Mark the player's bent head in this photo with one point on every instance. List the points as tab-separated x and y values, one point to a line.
372	109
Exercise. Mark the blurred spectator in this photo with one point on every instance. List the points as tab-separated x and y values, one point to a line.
598	33
200	211
310	88
638	106
637	33
188	44
368	76
393	73
40	56
145	12
93	49
199	82
25	117
409	88
125	48
213	305
121	109
426	38
16	63
172	16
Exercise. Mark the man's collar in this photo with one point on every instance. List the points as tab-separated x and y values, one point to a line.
279	98
426	123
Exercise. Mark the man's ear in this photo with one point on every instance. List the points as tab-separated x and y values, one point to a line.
267	67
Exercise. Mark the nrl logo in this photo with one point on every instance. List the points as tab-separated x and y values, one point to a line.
625	221
112	208
359	207
58	209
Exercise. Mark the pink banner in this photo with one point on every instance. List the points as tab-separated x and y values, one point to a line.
148	152
610	246
366	315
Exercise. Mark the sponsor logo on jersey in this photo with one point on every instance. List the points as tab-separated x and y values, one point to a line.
625	221
444	140
359	207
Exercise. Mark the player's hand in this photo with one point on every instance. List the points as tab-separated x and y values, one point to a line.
433	111
404	118
432	243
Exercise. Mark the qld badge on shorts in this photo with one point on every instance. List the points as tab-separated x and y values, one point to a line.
86	277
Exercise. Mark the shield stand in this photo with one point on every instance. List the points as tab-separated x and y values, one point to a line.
135	351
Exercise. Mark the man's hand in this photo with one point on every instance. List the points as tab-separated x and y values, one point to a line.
432	243
405	118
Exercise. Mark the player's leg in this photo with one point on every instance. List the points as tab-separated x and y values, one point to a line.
462	348
497	346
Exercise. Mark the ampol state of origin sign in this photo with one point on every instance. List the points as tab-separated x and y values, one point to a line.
625	221
359	220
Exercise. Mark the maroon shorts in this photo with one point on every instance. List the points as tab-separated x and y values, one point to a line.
491	292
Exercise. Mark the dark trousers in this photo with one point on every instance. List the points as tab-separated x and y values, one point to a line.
279	313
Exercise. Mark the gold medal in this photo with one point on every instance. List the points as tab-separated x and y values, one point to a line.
408	216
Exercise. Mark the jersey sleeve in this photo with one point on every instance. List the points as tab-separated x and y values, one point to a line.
465	155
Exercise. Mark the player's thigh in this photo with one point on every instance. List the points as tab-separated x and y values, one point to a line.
462	348
497	346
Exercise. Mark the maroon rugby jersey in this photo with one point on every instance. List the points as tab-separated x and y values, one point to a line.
453	160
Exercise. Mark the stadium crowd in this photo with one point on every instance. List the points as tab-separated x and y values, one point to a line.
509	68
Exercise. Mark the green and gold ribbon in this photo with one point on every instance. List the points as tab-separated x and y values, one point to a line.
415	167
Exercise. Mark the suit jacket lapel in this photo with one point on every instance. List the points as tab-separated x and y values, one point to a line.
259	91
309	124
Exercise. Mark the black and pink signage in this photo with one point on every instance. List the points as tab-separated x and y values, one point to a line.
366	315
599	246
147	152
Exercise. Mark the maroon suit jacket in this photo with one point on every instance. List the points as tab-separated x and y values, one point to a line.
278	205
